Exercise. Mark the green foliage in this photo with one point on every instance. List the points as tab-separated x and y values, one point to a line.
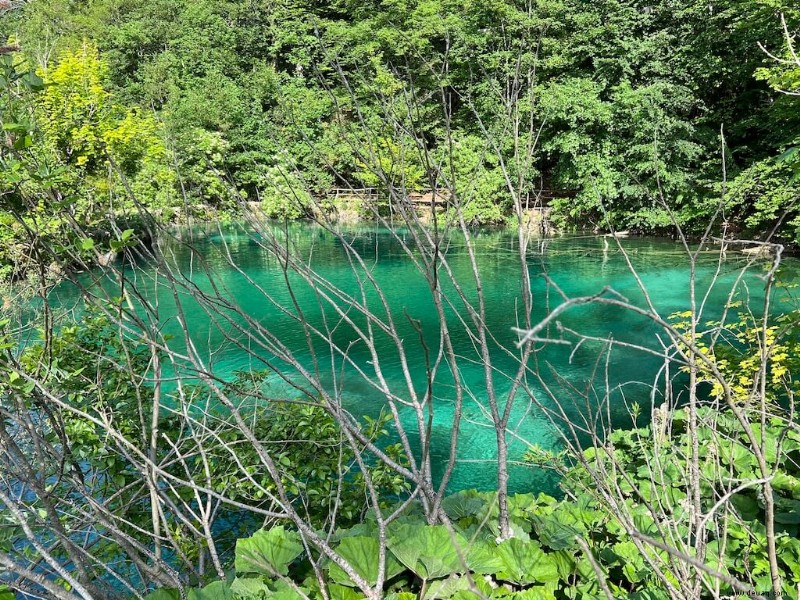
471	166
725	450
81	157
385	161
435	561
649	467
429	552
283	194
274	102
742	351
363	553
318	468
621	103
200	164
89	130
104	375
268	552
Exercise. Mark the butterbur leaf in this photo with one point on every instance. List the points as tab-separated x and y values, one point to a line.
535	593
360	529
268	552
787	511
746	505
463	504
628	552
481	557
283	591
552	532
430	552
219	590
564	562
341	592
250	587
525	562
362	553
447	588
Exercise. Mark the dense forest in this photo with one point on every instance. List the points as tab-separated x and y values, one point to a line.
179	171
634	113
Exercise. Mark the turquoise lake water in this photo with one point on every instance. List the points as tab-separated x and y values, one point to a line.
577	265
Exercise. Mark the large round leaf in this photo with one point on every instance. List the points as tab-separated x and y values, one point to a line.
268	552
430	552
526	562
362	553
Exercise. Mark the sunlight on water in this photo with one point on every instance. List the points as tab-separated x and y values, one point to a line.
577	266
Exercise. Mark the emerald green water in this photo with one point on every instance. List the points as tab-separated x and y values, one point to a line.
579	266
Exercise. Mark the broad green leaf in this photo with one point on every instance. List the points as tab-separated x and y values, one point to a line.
430	552
628	552
481	557
219	590
525	562
787	511
564	562
283	591
463	504
552	532
362	553
535	593
250	587
268	552
746	505
368	529
447	588
341	592
523	503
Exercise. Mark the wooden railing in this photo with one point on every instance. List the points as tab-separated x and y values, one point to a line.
365	193
539	199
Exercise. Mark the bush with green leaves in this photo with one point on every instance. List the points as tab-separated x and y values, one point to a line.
546	557
96	446
654	476
318	468
471	166
463	560
283	194
763	195
742	350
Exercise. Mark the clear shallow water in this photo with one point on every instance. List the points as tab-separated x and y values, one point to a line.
578	266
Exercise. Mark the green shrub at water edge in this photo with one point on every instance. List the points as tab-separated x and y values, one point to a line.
544	558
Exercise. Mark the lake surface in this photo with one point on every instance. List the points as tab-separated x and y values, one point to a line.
579	266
